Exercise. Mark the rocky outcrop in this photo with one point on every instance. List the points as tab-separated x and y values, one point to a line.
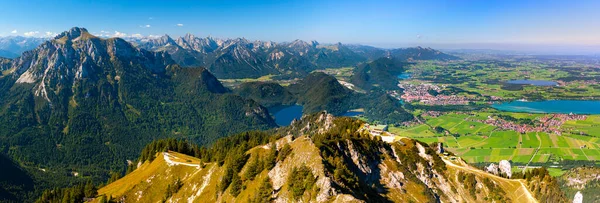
578	198
75	55
505	168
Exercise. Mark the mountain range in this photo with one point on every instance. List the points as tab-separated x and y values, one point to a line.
241	58
13	46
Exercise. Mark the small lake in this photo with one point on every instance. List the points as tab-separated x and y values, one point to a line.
404	76
286	114
353	113
551	106
533	82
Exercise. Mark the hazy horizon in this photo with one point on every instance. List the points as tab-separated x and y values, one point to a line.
549	26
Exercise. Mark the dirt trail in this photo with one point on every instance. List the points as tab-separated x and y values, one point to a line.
168	158
522	189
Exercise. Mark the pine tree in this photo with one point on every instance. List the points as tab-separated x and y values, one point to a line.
285	151
114	176
271	157
236	185
264	192
90	190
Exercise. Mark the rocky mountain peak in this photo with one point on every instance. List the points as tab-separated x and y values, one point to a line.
189	37
314	43
73	33
76	54
299	43
166	39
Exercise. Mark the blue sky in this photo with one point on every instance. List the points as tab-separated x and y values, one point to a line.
451	23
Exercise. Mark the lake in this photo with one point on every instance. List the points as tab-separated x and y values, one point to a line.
551	106
353	113
284	115
533	82
404	76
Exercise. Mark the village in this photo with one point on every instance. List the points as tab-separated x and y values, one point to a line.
550	123
422	93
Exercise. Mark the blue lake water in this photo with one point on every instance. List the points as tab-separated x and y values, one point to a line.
352	113
533	82
284	116
551	106
404	76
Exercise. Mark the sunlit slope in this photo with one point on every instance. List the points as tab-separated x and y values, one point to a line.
333	159
515	189
149	182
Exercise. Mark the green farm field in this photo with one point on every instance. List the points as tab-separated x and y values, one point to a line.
479	142
488	78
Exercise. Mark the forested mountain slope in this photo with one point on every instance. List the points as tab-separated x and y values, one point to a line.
320	158
79	104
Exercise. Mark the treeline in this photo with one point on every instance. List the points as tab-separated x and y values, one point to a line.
229	152
333	146
170	144
218	152
525	121
236	158
470	183
545	188
78	193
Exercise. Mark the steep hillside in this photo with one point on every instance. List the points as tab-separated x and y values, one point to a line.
79	104
267	94
380	73
583	180
319	91
13	46
420	53
382	107
316	92
15	183
4	66
322	159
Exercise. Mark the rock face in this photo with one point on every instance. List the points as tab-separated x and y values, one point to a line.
578	198
581	180
75	55
505	168
492	168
